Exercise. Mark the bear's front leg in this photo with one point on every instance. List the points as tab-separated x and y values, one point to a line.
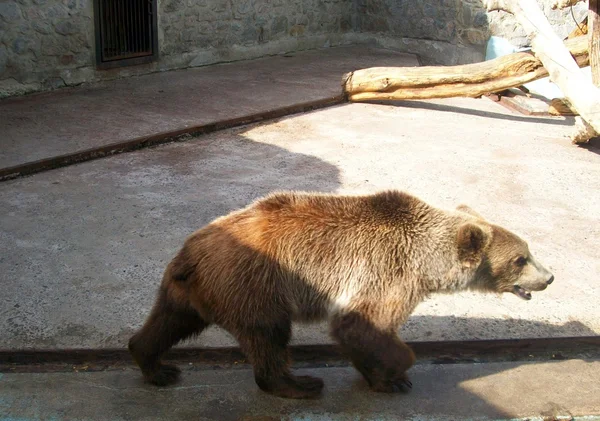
379	354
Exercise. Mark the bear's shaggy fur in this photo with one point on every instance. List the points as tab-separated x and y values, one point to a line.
362	262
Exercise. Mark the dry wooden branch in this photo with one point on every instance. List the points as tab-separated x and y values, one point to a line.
563	70
469	80
561	4
561	106
581	29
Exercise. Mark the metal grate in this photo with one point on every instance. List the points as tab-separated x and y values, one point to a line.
125	32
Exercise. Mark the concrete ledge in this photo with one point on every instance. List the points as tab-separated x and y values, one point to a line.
159	138
437	352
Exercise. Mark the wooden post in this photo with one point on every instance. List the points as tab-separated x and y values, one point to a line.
563	70
594	40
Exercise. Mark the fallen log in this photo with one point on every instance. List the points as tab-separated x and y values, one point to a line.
562	69
469	80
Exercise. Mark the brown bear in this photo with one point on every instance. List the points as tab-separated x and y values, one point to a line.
362	262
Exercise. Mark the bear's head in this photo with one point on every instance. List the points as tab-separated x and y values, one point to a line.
499	259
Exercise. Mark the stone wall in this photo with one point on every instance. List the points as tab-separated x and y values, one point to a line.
46	44
504	25
452	31
197	33
42	42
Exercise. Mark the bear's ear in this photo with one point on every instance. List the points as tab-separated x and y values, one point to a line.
469	211
471	240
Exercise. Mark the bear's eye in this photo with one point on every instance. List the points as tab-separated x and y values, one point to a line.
521	261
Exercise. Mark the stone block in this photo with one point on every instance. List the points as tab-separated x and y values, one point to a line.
220	6
481	19
279	25
55	46
54	83
249	31
10	11
57	11
467	14
205	27
19	45
476	37
66	59
242	8
297	30
170	6
189	35
67	27
190	22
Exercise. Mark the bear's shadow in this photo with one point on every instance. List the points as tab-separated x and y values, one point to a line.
467	392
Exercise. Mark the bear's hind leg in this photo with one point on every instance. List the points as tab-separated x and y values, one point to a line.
266	347
168	324
379	355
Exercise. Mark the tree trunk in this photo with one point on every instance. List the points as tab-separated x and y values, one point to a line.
563	70
594	37
470	80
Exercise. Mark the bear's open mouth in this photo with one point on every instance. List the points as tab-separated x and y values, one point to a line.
519	291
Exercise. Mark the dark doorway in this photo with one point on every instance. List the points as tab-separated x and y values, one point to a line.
126	32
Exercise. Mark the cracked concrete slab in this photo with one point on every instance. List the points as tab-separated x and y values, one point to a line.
492	391
82	248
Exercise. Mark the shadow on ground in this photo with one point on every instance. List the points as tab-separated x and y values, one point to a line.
83	248
486	391
593	145
436	106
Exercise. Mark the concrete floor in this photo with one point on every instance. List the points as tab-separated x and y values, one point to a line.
72	120
493	391
82	248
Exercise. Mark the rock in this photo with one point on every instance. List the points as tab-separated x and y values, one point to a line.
481	19
54	83
66	59
67	27
170	6
10	11
19	45
279	25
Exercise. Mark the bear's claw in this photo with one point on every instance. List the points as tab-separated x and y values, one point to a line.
399	385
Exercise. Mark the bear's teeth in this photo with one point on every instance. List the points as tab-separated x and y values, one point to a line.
522	292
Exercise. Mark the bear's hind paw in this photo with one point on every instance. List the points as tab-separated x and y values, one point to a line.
401	385
164	375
